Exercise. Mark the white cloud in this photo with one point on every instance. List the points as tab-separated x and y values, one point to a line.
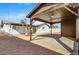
24	3
14	18
19	16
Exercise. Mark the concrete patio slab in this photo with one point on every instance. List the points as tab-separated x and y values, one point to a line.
52	44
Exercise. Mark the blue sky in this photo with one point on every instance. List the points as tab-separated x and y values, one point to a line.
15	11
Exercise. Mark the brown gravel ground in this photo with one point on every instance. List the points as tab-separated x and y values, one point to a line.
10	45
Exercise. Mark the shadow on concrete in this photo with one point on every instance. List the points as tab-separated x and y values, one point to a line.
59	41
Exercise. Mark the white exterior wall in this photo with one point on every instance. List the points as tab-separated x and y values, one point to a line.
41	30
9	29
47	29
56	30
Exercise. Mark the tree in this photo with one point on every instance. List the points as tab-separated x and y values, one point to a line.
23	22
55	26
1	23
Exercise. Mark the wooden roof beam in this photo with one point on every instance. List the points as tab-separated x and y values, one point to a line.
46	21
71	11
38	19
49	10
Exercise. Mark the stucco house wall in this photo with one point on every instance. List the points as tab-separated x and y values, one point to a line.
46	29
8	28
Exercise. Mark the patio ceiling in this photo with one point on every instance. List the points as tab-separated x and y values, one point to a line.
52	13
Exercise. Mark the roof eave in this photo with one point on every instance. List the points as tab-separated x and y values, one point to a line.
34	10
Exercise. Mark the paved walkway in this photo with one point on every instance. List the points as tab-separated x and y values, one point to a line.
10	45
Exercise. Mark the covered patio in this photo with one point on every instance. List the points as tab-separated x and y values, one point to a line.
66	14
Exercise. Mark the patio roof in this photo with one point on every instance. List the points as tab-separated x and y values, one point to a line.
52	13
64	13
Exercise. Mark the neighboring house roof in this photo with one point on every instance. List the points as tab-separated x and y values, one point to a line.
37	23
18	24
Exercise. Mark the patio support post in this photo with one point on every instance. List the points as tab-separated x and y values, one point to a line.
31	29
77	32
51	28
